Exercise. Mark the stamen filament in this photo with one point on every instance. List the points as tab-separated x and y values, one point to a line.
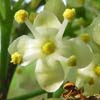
32	28
62	29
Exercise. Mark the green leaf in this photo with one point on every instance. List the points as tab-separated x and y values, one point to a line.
55	6
6	27
5	37
17	5
2	9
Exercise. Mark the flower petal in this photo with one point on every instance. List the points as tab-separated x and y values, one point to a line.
95	29
19	44
46	33
85	75
64	47
82	52
31	55
88	79
28	47
92	89
46	19
50	77
96	58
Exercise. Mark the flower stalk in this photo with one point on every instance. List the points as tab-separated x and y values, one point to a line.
34	93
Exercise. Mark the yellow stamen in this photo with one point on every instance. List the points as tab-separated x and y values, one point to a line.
85	38
48	47
16	58
69	14
72	61
20	16
97	70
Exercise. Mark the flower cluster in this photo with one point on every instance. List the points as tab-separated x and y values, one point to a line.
57	58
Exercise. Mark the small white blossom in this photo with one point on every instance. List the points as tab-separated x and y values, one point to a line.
50	49
89	78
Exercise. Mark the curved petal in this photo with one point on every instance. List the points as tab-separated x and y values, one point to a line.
64	47
71	74
88	80
85	75
47	19
95	29
50	77
20	44
30	55
96	58
46	33
82	52
28	47
92	89
94	46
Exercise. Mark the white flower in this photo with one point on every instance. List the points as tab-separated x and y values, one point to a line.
49	48
89	78
45	48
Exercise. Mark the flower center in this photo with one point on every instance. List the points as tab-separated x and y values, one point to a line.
48	47
97	70
16	58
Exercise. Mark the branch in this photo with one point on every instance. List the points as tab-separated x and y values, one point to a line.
58	93
30	95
